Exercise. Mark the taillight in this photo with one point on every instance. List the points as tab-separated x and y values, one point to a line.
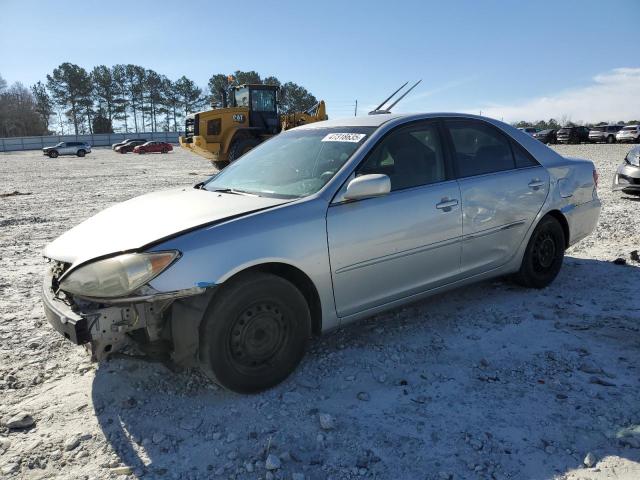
595	177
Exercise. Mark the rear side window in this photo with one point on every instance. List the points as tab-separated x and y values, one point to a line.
522	157
479	149
410	157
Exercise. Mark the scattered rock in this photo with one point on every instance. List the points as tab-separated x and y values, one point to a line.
588	367
600	381
15	193
634	255
20	420
5	443
363	396
620	261
590	460
158	438
248	466
297	476
72	443
10	468
126	470
272	462
327	421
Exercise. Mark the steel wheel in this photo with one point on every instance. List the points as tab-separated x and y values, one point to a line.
544	254
257	336
254	332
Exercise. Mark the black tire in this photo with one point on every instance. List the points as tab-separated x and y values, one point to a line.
81	153
254	333
611	139
164	150
544	254
241	146
219	164
53	154
141	151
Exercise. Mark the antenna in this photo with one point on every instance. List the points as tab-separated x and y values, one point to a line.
404	94
388	98
379	108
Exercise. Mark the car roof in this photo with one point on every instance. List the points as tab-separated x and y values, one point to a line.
382	118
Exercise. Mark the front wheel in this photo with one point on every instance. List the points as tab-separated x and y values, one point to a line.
164	150
611	139
240	147
81	153
544	254
141	152
53	154
254	333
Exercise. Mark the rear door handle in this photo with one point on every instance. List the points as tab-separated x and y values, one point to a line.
535	184
446	204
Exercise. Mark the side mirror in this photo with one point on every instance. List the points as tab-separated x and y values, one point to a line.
368	186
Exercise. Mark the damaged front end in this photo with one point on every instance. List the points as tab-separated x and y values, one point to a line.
627	176
144	317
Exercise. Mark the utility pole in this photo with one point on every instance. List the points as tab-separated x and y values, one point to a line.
355	113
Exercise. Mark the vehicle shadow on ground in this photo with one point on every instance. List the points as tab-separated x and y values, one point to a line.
484	380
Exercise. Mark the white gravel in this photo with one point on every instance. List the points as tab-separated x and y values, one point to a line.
490	381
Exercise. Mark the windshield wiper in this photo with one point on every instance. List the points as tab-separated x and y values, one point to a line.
235	192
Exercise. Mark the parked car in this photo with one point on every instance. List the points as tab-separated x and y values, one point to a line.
128	147
630	133
573	135
67	148
528	130
317	227
546	136
627	177
128	140
153	147
606	133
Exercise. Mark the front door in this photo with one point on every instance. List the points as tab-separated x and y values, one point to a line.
387	248
502	190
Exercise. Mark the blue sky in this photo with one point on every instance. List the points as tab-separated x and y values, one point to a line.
507	58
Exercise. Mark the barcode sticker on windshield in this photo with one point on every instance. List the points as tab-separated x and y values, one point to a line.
344	137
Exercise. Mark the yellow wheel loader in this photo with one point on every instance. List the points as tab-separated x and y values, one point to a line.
247	119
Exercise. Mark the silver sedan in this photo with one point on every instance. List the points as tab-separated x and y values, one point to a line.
313	229
627	177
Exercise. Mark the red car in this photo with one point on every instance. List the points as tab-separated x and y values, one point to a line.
151	147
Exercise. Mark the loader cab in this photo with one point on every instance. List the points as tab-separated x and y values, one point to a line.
261	100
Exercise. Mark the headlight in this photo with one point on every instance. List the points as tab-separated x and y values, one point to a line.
117	276
633	158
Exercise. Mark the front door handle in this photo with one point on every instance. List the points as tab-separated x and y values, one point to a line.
446	204
535	183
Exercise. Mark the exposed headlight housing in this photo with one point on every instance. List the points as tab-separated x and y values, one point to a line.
117	276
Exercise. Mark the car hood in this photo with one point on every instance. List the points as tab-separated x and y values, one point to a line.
149	218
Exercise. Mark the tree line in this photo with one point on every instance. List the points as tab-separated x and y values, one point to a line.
128	98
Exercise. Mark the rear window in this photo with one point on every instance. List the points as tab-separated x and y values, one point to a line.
630	129
598	129
564	130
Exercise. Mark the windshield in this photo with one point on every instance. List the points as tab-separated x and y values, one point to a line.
293	164
242	97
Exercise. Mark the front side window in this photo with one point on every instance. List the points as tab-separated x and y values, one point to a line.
410	157
479	149
263	100
242	97
293	164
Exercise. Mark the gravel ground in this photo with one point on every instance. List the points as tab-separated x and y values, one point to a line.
490	381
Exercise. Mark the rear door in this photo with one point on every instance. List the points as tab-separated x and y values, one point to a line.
502	190
387	248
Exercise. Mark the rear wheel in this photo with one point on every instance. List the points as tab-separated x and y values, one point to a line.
53	154
141	151
241	146
544	254
254	333
81	153
164	150
611	139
